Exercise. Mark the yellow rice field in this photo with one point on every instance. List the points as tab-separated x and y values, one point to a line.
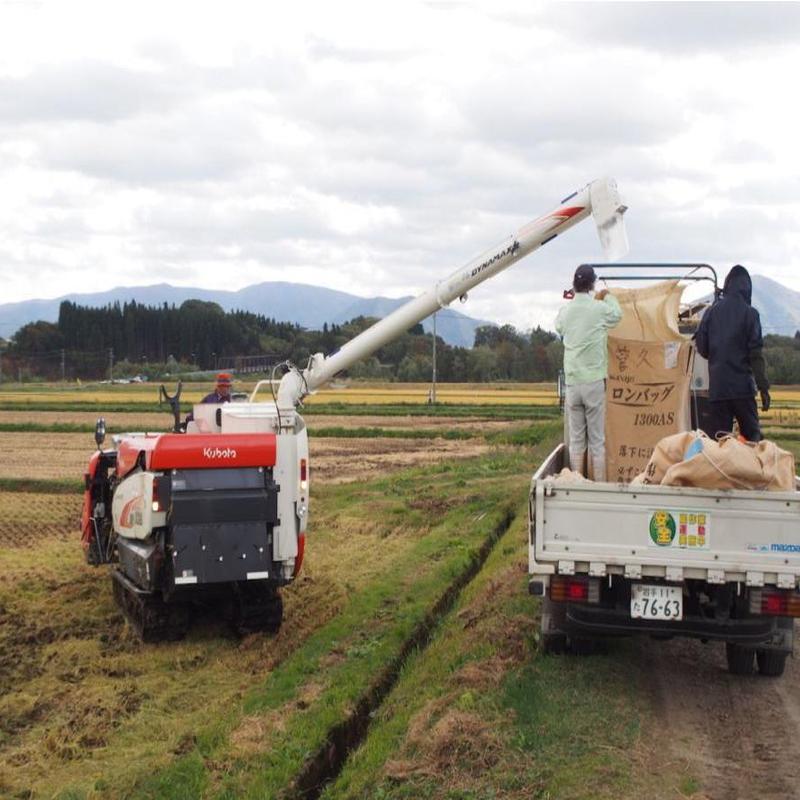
786	399
351	393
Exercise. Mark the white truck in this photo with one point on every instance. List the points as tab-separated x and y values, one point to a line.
612	559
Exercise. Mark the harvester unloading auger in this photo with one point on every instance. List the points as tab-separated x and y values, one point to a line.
218	514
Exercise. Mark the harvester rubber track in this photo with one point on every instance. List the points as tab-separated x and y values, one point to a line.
258	609
148	614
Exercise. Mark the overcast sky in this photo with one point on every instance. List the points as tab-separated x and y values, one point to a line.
374	148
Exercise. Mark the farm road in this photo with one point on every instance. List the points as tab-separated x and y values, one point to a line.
740	736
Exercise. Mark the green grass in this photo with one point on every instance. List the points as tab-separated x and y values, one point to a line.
479	411
338	432
528	436
41	485
481	714
56	427
364	640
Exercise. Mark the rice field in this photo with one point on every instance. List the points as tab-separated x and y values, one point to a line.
87	712
371	393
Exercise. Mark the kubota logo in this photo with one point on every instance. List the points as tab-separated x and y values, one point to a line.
218	452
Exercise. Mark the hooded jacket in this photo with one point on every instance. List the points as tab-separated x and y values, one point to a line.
729	336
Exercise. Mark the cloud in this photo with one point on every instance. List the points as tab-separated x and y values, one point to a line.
380	156
86	90
681	27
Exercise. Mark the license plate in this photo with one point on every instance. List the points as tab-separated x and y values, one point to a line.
650	601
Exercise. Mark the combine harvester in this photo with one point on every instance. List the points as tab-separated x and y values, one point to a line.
218	514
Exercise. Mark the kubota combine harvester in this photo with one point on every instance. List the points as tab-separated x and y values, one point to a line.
217	514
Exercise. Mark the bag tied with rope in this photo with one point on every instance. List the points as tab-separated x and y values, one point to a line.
727	463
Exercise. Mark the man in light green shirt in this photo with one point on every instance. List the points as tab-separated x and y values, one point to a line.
584	326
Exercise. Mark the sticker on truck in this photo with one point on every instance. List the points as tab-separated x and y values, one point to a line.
682	530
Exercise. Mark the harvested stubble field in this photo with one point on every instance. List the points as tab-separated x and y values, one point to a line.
63	456
27	517
462	706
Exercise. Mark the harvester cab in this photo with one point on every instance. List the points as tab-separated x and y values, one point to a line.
215	513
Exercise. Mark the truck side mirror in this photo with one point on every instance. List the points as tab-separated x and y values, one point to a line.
100	432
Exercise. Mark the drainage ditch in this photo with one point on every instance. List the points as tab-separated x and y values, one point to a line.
324	766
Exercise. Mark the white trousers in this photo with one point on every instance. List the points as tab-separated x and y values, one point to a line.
586	418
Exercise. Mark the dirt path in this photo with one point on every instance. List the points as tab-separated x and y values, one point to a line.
739	735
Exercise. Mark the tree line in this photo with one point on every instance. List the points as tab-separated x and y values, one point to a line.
197	335
132	338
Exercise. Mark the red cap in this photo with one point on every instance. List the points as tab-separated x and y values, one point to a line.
224	379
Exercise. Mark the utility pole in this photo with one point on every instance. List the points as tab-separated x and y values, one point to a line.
110	364
63	365
433	388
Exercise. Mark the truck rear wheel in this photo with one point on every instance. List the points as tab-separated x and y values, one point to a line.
740	659
771	663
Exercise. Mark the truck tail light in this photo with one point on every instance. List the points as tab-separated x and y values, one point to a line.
303	474
775	602
574	589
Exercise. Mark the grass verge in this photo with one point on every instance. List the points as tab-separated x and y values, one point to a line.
480	714
313	694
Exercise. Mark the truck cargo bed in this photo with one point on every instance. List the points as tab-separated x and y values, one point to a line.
674	533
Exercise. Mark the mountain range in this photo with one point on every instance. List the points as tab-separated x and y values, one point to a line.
778	306
308	306
312	306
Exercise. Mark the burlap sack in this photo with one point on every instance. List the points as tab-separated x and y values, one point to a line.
650	314
731	464
670	450
567	476
647	399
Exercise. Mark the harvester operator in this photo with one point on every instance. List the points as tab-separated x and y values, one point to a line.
584	326
221	394
729	336
222	391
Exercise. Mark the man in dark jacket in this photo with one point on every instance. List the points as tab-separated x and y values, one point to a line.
729	336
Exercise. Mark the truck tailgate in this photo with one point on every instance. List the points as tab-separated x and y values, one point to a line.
661	531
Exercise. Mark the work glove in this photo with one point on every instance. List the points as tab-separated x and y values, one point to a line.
766	400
